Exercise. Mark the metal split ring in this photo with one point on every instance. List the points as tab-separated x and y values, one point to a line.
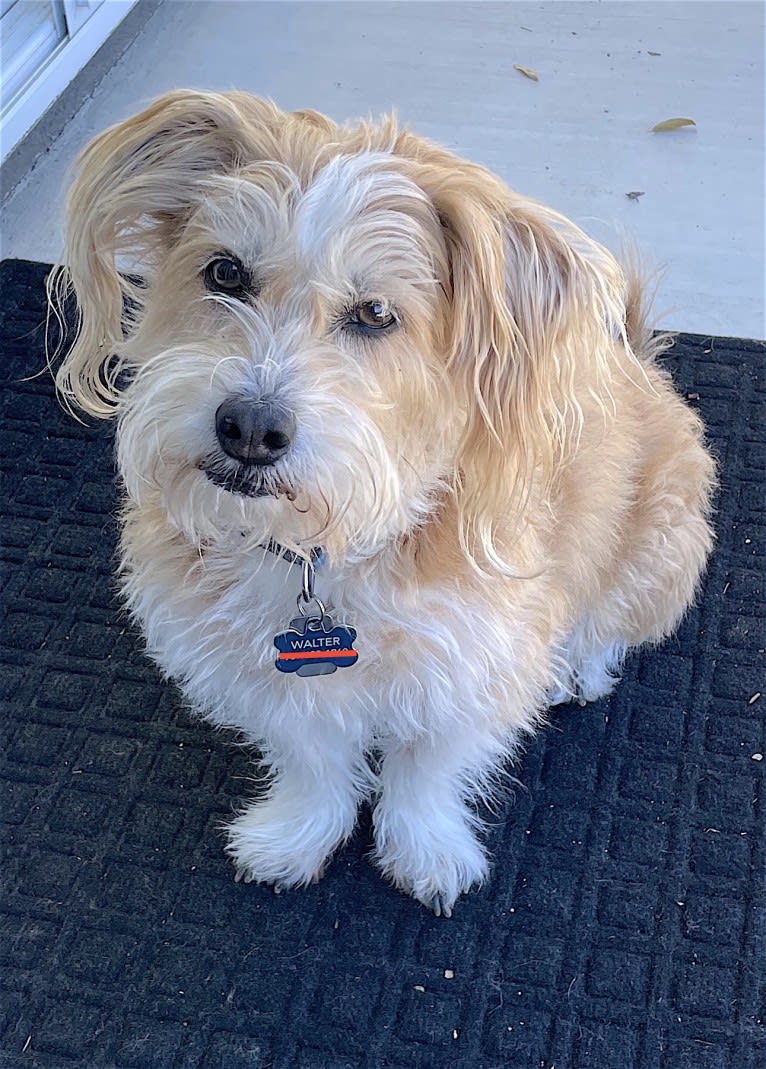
315	617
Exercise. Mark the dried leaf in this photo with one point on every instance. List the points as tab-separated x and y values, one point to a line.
671	124
634	195
527	72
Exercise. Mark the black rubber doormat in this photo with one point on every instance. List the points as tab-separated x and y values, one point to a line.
624	925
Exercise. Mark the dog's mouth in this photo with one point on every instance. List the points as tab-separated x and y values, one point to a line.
247	481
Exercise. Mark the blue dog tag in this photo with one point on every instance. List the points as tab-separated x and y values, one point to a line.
315	646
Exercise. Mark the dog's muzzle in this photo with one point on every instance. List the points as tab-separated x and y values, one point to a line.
255	435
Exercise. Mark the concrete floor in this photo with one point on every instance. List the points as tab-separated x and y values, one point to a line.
578	138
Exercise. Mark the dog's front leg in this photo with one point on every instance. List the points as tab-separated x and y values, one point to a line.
286	839
425	830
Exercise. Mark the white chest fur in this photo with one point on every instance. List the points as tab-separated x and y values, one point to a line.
427	654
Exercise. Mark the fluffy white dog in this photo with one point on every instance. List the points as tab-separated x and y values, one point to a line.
364	374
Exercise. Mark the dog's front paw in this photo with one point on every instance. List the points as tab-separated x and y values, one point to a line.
275	844
243	874
434	868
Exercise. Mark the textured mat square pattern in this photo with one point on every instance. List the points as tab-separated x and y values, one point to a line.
624	924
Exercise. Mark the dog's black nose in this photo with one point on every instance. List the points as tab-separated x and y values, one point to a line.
254	432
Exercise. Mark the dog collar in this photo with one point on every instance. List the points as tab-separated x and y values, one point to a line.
316	553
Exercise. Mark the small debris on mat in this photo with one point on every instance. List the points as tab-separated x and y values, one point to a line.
635	194
527	72
671	124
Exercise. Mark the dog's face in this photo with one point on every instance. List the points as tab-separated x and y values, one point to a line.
338	327
289	351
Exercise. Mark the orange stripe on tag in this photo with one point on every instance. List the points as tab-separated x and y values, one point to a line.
306	655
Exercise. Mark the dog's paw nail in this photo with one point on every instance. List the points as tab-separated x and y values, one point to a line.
241	875
278	888
440	907
318	874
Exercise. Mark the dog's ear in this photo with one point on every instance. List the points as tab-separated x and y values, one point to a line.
536	308
135	185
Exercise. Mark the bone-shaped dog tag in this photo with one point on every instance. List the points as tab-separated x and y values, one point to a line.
315	646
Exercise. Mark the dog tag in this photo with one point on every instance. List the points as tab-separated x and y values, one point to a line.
315	646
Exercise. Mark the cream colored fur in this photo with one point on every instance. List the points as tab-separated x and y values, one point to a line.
509	491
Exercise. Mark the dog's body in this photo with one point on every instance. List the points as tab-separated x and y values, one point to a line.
351	339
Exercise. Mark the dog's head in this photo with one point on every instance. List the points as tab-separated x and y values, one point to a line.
335	329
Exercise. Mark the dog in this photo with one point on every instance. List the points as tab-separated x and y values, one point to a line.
401	467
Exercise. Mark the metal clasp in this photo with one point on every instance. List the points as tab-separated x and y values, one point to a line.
307	595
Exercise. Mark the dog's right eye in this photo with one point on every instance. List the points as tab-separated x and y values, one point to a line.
227	275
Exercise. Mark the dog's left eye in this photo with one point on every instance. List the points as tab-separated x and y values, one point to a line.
372	316
226	275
